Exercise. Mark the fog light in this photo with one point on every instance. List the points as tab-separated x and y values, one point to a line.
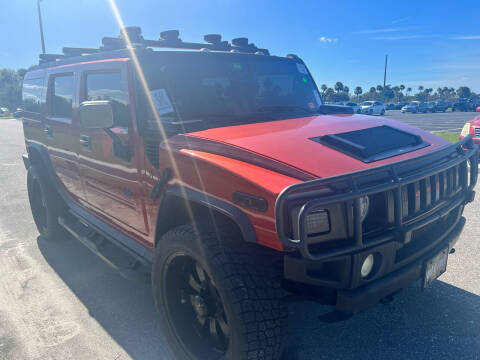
364	206
317	222
367	265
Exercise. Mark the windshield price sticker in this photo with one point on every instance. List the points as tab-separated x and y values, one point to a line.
162	101
302	69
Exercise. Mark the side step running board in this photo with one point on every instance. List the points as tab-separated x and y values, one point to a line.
127	265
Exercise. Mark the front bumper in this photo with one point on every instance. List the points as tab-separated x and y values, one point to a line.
425	202
342	274
356	300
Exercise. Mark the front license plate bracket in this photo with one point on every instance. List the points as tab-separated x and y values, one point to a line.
435	267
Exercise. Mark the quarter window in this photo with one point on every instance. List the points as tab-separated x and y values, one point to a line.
62	95
109	86
33	94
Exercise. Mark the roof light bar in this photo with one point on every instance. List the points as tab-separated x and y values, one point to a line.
168	39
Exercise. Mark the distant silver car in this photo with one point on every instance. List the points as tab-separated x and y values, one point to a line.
372	108
354	106
410	107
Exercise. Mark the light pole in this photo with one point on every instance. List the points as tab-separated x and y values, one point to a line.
41	26
385	77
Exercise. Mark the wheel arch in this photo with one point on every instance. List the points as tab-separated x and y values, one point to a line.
179	203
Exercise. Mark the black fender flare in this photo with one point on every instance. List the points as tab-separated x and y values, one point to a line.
189	195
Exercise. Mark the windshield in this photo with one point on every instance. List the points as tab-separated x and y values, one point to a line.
237	88
367	103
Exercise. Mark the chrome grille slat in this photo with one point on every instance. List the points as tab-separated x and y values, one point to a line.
477	131
419	196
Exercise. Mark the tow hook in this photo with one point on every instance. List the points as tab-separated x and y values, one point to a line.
452	251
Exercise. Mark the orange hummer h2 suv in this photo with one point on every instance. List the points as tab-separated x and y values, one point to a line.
215	170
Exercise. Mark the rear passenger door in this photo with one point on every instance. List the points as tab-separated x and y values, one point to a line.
108	163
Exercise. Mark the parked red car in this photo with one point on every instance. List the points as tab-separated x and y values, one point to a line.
216	168
471	128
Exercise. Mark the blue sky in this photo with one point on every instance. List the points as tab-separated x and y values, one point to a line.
429	43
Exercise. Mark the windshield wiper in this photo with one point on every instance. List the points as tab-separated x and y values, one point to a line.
284	108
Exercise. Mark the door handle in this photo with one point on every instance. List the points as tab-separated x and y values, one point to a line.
85	141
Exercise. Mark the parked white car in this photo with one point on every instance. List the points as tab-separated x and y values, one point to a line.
372	108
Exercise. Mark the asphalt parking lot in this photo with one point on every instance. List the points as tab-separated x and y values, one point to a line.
59	301
447	121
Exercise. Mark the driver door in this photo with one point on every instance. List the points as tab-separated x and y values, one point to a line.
108	163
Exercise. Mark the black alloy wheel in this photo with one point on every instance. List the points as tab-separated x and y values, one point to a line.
195	308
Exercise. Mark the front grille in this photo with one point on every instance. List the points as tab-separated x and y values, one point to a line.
404	196
426	236
477	131
421	195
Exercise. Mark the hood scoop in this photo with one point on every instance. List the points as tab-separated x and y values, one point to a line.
373	144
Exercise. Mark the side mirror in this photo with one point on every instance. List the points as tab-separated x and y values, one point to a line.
96	114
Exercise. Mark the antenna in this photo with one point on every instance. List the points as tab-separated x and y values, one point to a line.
41	26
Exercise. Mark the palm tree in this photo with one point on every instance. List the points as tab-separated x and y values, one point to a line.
396	90
346	89
402	87
338	86
420	88
409	90
379	88
324	88
358	91
440	92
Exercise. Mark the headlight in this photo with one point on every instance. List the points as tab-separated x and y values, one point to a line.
364	206
465	129
317	222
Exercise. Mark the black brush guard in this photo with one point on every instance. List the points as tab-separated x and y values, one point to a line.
317	193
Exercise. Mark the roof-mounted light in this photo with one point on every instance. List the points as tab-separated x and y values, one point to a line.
240	42
213	38
170	35
134	34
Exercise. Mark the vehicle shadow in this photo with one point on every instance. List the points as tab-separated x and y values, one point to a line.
441	322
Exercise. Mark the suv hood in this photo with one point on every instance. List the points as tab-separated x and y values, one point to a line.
287	144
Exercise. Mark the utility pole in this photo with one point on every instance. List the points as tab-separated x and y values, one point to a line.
41	26
385	77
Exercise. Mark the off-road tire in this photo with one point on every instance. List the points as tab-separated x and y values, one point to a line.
248	283
45	217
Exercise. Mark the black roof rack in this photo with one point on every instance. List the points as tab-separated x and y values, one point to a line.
168	39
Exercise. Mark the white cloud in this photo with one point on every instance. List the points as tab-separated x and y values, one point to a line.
467	37
384	30
396	21
403	37
327	39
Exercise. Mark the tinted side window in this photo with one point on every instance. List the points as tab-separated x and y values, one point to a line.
108	86
62	95
33	95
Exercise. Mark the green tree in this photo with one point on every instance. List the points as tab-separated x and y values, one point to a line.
409	91
338	86
464	92
346	89
11	88
420	88
324	88
358	91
